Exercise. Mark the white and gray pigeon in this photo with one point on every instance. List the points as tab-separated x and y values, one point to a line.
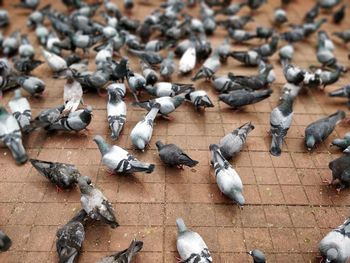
340	172
168	66
257	255
280	121
227	179
167	104
124	256
290	90
343	92
319	130
149	73
95	203
210	66
47	117
242	97
286	54
172	155
72	94
70	238
280	16
116	111
190	245
5	242
63	175
119	87
75	121
11	136
32	85
164	89
188	60
119	160
56	63
293	74
141	134
21	110
335	246
199	98
231	144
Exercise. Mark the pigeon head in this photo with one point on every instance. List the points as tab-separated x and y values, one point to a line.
88	109
257	256
310	142
84	183
139	143
39	88
332	255
239	198
159	145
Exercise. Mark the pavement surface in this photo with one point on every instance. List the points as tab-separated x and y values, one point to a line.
288	207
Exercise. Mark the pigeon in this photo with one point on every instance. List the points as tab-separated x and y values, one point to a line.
119	160
95	203
310	28
339	15
324	55
10	44
163	89
63	175
230	10
149	73
335	246
290	90
340	172
343	92
4	18
124	256
249	58
116	112
343	35
280	16
136	82
255	4
257	256
231	144
75	121
264	32
280	121
120	70
172	155
190	245
5	242
167	67
167	104
72	94
10	135
227	179
330	77
33	85
26	65
312	13
188	60
323	37
240	98
47	117
293	74
208	69
21	110
268	49
240	35
70	238
28	4
141	134
235	22
25	49
224	50
328	4
256	82
199	98
319	130
224	84
56	63
151	58
296	34
343	143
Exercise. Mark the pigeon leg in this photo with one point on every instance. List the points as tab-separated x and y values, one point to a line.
58	189
178	260
110	172
338	190
101	94
169	118
180	166
327	181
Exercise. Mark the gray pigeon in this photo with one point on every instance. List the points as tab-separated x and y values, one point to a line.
232	143
141	134
32	85
343	92
116	112
75	121
240	35
227	179
47	117
210	66
286	54
319	130
191	245
10	135
199	98
257	256
163	89
335	246
21	110
280	16
172	155
70	238
249	58
280	121
343	143
343	35
124	256
56	63
167	67
149	73
340	172
95	203
5	242
72	94
119	160
63	175
240	98
293	74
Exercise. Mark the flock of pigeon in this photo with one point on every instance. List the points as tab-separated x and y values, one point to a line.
173	29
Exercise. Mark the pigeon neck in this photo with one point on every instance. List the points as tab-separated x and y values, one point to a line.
102	146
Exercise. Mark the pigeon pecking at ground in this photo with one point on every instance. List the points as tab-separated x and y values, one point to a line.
5	242
116	111
124	256
340	172
257	256
343	143
21	110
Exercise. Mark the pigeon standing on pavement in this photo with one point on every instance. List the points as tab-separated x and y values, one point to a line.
343	92
208	69
70	238
335	246
240	98
232	143
21	110
199	98
72	94
95	203
227	179
319	130
63	175
10	135
124	256
119	160
280	121
257	256
339	15
191	245
163	89
5	242
167	67
172	155
340	172
116	111
149	73
188	60
141	134
56	63
32	85
343	143
46	117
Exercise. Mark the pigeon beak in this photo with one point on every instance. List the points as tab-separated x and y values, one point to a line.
249	252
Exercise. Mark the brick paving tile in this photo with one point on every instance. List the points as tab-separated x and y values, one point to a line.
288	208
